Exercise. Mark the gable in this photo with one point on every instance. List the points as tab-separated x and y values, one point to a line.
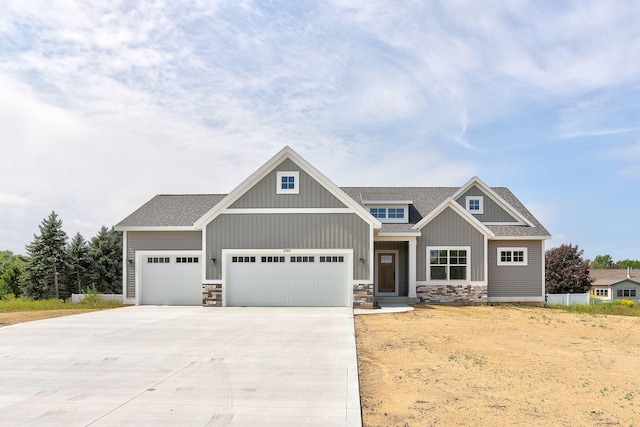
449	228
263	194
492	212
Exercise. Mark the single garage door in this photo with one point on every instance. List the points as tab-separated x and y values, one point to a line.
291	280
171	280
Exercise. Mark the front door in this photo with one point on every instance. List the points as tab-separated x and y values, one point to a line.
386	273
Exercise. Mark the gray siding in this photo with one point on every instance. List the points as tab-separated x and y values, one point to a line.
627	284
516	281
289	231
263	194
449	229
492	211
403	262
157	240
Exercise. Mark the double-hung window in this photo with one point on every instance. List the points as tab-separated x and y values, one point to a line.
449	263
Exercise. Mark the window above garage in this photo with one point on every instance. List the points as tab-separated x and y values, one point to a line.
287	182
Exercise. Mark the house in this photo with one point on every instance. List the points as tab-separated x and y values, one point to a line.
288	236
615	284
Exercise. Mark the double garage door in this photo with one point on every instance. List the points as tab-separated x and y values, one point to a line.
287	279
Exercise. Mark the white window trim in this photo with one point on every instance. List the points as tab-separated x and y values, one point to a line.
296	186
480	199
449	248
512	263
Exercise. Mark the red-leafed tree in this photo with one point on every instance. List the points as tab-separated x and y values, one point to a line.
565	271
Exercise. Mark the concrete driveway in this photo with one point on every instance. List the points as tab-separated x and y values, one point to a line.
191	366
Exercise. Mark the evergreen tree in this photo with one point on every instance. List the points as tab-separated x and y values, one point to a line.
566	271
80	263
105	250
47	263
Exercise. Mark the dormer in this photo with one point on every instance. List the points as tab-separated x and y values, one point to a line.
389	211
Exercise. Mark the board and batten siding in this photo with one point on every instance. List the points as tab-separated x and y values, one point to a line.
289	231
403	262
516	281
157	240
450	229
263	193
492	212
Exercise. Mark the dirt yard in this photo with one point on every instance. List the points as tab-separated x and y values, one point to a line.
516	366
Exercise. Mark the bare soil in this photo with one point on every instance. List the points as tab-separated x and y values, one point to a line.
13	318
517	366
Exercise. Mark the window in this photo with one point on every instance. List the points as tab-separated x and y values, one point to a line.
187	260
158	260
243	259
475	204
602	292
379	213
302	259
626	292
331	259
272	259
512	256
396	213
448	264
287	182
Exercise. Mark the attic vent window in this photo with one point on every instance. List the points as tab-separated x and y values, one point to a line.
475	204
288	182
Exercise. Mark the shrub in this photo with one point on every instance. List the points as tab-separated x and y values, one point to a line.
626	302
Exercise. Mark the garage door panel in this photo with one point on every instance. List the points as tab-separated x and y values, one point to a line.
292	280
298	286
272	300
170	282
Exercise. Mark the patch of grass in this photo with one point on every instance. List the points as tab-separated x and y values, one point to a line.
22	304
615	308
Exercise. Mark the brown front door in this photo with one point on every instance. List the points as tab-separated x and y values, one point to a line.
386	273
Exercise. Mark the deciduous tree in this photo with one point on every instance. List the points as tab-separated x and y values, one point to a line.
602	261
566	271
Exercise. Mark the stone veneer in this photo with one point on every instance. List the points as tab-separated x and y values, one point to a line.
453	294
212	295
363	295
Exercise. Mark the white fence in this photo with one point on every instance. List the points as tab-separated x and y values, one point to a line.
568	299
76	298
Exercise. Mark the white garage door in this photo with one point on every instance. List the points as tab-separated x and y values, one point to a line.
291	280
171	280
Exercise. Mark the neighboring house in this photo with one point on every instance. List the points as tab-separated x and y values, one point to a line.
615	284
288	236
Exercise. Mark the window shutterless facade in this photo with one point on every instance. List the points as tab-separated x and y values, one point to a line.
475	204
512	256
450	263
626	292
288	182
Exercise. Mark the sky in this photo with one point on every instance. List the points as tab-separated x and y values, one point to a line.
105	104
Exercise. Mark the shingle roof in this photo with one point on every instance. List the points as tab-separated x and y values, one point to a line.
172	210
612	276
426	199
184	210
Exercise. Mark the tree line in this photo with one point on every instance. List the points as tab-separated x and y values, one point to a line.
55	267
